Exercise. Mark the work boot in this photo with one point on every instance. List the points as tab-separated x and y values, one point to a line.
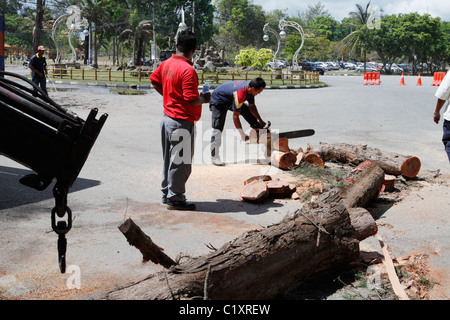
215	159
180	205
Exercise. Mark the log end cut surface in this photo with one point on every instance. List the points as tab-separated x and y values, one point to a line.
411	167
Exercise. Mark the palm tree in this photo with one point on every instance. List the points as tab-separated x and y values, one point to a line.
95	12
37	30
143	30
355	40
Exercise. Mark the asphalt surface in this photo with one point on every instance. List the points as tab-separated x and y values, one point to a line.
121	179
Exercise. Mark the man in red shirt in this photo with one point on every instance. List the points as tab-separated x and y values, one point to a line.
176	80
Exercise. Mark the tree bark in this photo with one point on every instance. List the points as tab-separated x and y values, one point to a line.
363	223
150	251
365	183
392	163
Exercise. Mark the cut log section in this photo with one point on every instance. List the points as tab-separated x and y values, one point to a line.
255	191
277	189
281	144
283	160
392	163
363	223
314	159
389	183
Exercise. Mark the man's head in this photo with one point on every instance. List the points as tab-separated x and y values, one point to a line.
186	43
256	86
41	50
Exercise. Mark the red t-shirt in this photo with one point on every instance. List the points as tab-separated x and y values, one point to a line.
180	86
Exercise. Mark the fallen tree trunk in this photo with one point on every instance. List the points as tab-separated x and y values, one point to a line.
390	162
264	263
261	264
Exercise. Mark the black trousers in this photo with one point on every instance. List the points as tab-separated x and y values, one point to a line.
218	117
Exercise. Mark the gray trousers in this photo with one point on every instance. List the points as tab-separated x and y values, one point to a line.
177	140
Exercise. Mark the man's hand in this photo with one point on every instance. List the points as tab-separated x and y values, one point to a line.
206	96
437	117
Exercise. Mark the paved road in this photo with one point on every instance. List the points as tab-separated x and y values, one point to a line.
122	174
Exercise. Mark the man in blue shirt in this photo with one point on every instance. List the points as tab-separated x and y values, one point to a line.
38	66
238	97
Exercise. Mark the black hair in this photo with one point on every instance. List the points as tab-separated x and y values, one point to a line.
257	83
186	41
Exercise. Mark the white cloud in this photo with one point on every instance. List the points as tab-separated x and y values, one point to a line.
340	9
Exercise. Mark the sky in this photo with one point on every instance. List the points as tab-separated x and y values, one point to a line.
339	9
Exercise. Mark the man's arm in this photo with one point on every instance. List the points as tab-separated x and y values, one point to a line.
238	125
203	98
254	111
158	87
439	104
40	74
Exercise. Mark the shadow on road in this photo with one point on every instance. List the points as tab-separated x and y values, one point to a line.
14	194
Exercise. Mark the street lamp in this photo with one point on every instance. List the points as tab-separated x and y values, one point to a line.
266	38
86	45
74	22
296	26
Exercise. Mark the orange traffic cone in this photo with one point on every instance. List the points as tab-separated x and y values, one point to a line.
419	81
402	81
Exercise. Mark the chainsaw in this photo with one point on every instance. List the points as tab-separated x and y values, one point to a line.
265	134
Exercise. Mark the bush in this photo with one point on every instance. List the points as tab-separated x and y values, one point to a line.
253	58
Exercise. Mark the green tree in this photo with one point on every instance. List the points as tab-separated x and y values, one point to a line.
95	12
356	40
240	24
423	37
142	31
387	41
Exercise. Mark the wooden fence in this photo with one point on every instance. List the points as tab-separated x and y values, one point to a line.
286	77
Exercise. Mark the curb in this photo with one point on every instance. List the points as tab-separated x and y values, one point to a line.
148	86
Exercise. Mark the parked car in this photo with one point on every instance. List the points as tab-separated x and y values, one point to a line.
369	68
333	65
279	64
322	64
349	65
311	66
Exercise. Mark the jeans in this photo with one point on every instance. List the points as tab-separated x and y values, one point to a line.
41	82
446	137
